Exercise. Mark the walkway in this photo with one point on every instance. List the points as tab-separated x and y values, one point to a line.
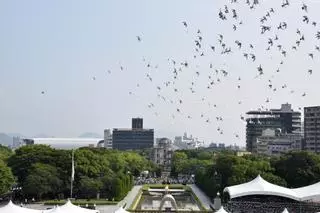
128	200
205	200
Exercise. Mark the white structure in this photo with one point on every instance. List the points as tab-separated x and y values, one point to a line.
12	208
66	208
64	143
259	186
186	142
221	210
107	139
285	210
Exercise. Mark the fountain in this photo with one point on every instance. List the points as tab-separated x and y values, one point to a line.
168	198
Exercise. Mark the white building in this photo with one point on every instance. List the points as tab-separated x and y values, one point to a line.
186	142
107	139
64	143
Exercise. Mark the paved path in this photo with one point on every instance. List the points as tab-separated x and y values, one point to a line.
206	202
128	200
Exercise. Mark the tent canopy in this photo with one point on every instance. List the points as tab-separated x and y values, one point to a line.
12	208
221	210
259	186
66	208
285	210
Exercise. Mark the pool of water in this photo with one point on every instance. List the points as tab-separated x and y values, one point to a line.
185	201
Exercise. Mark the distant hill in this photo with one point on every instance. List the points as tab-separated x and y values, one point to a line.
90	135
5	139
15	135
41	136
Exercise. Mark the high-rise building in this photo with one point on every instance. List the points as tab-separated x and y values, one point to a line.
134	138
137	123
284	119
312	129
107	139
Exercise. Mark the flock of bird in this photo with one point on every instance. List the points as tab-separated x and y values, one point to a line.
229	15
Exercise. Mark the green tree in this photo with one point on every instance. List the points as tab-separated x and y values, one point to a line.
5	153
90	187
298	168
24	157
6	178
42	180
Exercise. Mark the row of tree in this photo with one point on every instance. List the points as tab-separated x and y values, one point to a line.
215	171
44	172
6	176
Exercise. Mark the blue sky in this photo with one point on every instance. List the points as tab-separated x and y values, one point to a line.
60	46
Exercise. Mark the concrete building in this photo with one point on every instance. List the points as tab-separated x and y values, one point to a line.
137	123
272	142
187	142
16	142
284	119
133	139
312	129
162	155
107	139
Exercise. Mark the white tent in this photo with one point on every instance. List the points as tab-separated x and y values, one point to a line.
285	210
68	207
309	193
259	186
221	210
12	208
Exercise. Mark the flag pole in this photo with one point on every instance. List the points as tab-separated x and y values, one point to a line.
72	174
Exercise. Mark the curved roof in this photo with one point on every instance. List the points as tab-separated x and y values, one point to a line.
285	210
259	186
311	192
12	208
68	207
67	143
221	210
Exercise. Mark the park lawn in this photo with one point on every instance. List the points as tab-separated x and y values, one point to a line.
81	202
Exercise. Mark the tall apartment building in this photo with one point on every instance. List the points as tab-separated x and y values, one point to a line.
134	138
284	119
107	139
312	129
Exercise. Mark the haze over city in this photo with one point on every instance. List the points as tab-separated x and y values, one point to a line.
69	67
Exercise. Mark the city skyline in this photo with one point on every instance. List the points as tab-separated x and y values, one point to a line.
74	67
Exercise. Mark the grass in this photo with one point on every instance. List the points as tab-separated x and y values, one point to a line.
81	202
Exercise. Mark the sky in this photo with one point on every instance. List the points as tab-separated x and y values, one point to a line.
95	74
